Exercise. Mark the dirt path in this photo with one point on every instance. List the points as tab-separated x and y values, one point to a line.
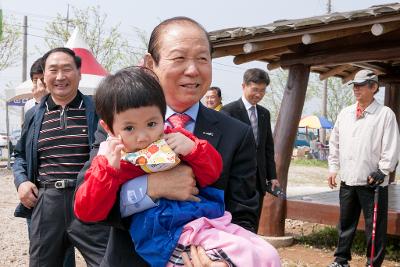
14	237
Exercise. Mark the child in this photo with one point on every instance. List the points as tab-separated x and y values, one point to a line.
132	107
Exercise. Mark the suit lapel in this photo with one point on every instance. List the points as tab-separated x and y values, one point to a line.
206	126
244	116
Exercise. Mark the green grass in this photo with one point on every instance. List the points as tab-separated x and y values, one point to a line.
326	238
310	162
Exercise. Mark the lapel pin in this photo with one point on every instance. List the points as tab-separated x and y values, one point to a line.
208	133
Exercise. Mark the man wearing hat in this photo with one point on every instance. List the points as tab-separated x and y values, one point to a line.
364	145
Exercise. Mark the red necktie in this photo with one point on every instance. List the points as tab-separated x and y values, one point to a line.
178	120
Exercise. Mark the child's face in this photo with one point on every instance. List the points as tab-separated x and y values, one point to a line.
139	127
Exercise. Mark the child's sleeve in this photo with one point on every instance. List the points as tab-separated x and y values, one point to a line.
95	197
204	159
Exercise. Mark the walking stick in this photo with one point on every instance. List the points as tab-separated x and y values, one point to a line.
376	197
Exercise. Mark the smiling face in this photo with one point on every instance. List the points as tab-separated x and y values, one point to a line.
62	77
212	99
138	127
254	92
184	68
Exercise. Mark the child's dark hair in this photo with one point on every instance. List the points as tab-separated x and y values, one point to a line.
131	87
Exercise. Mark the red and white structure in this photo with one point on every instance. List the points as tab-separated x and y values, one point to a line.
91	70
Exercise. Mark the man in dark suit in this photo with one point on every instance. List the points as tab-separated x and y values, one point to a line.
180	56
247	110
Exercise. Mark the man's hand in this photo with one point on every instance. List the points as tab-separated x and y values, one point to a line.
179	143
27	193
175	184
200	259
332	180
376	178
274	182
39	90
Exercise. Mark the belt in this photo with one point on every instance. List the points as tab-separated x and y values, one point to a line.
58	184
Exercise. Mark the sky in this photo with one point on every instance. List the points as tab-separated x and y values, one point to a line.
145	15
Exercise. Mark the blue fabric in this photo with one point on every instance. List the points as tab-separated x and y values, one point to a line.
325	123
155	232
133	197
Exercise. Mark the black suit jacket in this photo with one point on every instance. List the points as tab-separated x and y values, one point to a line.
265	147
235	142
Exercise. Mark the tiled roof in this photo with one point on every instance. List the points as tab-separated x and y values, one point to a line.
282	26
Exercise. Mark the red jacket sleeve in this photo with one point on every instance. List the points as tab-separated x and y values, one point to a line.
204	159
96	196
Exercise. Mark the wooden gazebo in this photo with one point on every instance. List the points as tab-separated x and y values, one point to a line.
336	44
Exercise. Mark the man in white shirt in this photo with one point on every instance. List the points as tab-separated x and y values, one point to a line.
364	145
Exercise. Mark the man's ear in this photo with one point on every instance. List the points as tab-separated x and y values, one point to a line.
375	88
106	128
148	61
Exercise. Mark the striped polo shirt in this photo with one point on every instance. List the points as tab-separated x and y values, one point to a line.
63	144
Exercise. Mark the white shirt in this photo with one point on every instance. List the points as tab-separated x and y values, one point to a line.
29	104
247	105
358	147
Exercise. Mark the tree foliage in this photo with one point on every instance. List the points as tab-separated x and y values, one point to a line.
10	43
339	97
275	91
110	47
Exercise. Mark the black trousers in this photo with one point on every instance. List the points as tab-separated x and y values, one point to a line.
54	229
353	199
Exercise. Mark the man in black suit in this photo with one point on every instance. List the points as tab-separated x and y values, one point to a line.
247	110
180	56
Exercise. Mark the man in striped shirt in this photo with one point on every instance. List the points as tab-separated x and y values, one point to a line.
54	146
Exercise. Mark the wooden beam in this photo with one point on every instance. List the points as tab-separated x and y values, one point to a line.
333	71
273	65
227	51
377	69
350	76
344	56
243	58
380	28
392	100
272	222
325	36
253	47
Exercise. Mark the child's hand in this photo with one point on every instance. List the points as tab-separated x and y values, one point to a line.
179	143
111	149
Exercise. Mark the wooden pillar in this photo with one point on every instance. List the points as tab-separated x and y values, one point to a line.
392	100
272	221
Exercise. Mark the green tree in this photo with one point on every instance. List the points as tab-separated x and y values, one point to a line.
10	43
110	47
